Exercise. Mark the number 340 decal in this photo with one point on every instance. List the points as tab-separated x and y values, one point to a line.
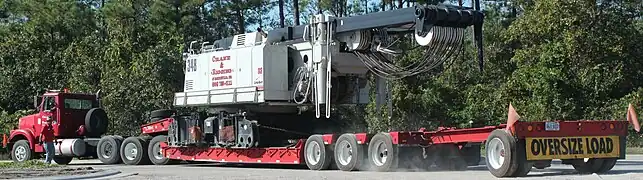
190	65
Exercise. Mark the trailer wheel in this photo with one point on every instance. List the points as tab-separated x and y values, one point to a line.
108	150
134	151
588	165
317	156
349	155
154	151
21	151
382	153
501	158
608	164
523	166
63	160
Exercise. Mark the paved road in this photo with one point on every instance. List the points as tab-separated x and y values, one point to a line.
631	168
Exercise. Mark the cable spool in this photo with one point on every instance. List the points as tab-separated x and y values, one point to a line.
440	42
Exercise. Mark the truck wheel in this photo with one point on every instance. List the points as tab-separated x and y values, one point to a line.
524	166
21	151
63	160
134	151
349	155
589	165
382	154
608	164
501	158
96	121
161	113
108	150
317	156
154	151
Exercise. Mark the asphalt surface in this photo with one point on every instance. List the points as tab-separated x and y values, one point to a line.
630	168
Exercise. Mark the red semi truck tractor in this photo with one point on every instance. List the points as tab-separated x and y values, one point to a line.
268	97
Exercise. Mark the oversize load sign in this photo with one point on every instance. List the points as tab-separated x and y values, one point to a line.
572	147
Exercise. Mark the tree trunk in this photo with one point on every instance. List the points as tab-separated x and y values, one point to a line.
281	14
400	4
296	4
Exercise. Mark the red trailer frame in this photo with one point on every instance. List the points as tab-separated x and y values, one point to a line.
454	137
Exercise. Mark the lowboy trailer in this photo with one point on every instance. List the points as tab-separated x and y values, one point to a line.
261	89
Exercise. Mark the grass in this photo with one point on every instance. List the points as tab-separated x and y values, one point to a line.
31	164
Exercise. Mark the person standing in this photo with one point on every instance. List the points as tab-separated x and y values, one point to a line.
47	137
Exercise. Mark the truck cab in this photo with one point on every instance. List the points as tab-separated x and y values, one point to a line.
77	120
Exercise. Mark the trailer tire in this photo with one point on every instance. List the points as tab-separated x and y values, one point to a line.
108	150
346	144
316	155
161	113
592	165
24	152
96	122
62	160
154	149
134	151
505	145
524	166
608	164
382	145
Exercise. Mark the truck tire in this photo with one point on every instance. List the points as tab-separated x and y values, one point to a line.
96	122
316	155
501	144
592	165
21	152
524	166
161	113
62	160
134	151
348	154
382	153
608	164
108	150
154	151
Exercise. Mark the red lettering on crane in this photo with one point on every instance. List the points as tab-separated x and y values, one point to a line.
217	59
260	70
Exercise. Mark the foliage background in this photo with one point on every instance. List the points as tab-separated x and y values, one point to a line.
554	59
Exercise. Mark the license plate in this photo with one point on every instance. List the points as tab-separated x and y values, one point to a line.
545	148
552	126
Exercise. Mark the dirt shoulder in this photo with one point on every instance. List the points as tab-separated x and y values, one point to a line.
37	169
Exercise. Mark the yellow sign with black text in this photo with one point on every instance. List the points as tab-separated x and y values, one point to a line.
543	148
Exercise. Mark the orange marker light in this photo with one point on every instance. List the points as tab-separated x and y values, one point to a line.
611	126
530	128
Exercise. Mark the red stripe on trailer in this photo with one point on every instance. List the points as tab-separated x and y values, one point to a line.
573	128
156	127
272	155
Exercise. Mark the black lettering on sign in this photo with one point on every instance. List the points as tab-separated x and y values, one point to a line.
595	146
571	146
609	145
580	146
563	146
601	146
535	147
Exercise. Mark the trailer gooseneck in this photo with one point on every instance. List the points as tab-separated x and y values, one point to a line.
262	88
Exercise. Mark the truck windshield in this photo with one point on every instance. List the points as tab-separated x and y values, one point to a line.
78	104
